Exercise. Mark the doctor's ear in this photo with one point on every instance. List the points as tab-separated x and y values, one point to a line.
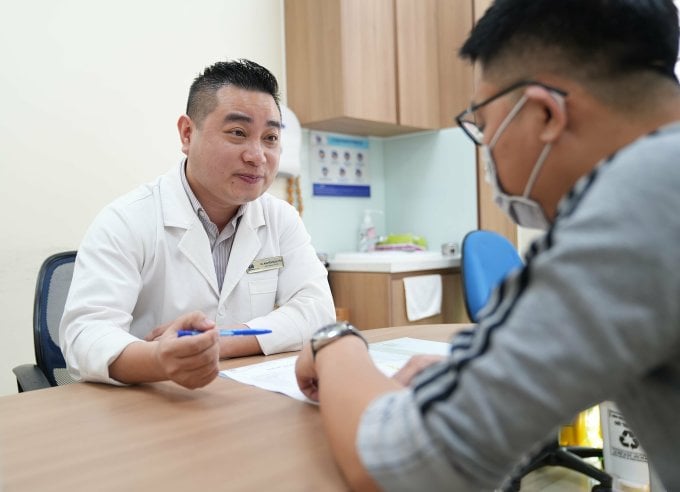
554	108
185	128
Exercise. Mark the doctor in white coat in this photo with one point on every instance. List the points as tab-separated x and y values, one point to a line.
201	246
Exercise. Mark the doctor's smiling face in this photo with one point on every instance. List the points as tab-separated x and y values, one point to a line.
233	151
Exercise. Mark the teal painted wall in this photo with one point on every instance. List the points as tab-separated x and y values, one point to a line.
424	183
431	185
333	222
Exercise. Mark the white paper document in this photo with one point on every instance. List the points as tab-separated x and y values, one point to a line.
279	375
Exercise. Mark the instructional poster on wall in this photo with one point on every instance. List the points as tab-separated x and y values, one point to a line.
339	165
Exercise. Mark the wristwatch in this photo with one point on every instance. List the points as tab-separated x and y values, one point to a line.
330	333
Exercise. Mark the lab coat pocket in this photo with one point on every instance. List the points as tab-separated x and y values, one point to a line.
262	296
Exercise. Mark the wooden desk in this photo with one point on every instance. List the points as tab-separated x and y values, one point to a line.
226	436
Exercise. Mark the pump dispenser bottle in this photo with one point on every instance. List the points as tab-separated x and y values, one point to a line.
367	234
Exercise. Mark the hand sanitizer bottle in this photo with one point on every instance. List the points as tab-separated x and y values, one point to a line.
367	234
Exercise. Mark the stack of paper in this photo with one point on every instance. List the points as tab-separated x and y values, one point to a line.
279	375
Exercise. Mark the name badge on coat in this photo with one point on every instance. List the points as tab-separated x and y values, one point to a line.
264	264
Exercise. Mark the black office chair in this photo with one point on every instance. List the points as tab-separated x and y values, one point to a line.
54	280
486	259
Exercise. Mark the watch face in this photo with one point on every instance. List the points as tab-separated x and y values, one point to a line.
336	329
329	331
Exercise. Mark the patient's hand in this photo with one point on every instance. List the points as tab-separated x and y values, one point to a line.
417	363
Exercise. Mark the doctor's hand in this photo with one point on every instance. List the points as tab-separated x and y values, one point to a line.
414	366
156	333
191	361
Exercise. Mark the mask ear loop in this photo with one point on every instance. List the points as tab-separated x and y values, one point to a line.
544	153
537	167
490	173
511	115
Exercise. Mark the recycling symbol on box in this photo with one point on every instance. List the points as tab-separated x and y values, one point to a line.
628	440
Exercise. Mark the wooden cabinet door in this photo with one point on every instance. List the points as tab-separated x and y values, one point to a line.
453	307
417	63
368	60
313	59
456	76
366	296
378	300
434	84
340	62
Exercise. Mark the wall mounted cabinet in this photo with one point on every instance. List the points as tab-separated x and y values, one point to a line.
378	67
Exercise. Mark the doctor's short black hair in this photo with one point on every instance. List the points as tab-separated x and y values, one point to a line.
587	40
241	73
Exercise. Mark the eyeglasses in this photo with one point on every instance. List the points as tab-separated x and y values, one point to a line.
467	119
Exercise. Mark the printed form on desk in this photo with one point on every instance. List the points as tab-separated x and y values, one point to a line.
279	375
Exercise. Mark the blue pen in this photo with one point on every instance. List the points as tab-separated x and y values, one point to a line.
225	333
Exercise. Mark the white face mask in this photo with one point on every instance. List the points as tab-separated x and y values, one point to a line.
522	210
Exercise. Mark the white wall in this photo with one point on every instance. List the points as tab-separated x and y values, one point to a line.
90	92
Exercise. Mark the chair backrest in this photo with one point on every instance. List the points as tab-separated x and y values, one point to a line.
486	259
54	281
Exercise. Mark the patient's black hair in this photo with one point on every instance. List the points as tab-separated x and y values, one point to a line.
598	38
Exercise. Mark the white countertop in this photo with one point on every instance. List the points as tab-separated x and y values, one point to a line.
392	261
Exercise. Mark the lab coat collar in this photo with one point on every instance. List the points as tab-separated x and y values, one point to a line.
195	245
177	210
245	247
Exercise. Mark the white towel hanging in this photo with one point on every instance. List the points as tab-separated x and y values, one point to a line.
423	296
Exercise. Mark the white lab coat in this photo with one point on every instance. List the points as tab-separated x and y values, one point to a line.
146	260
